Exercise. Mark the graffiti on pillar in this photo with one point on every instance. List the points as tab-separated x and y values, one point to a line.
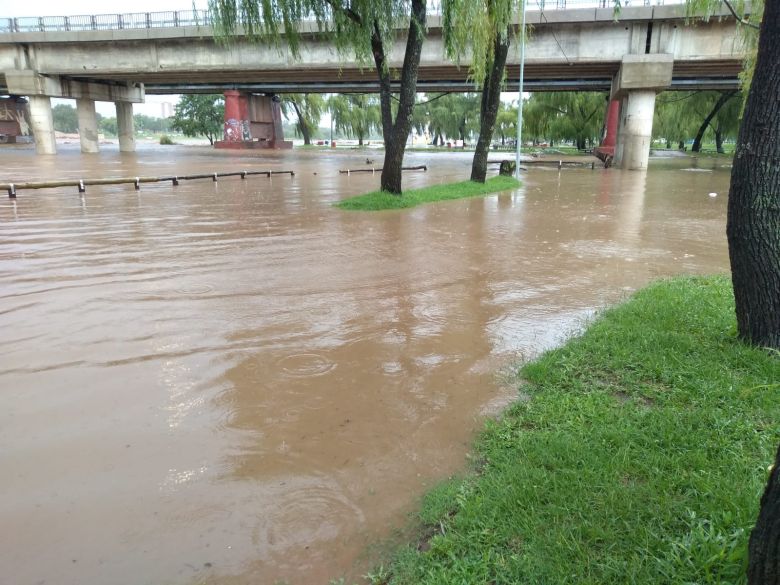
237	130
233	131
14	119
21	119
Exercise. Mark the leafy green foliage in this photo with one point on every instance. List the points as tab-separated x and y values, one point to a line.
638	457
151	124
277	21
679	116
108	126
565	115
472	26
380	200
356	115
454	115
307	108
750	14
200	115
65	118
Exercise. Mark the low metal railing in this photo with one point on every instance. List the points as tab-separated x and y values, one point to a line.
180	18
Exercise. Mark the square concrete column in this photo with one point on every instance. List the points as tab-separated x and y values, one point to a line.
42	124
125	126
635	132
88	130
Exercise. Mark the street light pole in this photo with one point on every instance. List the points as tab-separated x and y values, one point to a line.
520	95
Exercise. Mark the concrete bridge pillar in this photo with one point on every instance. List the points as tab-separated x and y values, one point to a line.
125	126
88	129
42	124
635	132
639	79
252	121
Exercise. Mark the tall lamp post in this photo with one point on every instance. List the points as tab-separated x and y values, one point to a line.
520	94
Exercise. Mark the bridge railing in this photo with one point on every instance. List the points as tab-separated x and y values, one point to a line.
179	18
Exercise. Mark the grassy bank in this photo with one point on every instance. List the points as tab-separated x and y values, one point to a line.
638	457
379	200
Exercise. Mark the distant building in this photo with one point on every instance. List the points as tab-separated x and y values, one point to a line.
166	109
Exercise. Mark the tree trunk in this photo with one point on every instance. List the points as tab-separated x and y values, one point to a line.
719	140
302	126
764	557
753	225
488	111
360	140
681	145
396	133
724	97
668	144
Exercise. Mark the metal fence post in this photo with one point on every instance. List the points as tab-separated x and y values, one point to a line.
148	21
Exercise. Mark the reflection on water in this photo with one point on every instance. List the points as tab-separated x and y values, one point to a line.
236	383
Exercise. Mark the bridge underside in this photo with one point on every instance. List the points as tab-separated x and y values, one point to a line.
575	76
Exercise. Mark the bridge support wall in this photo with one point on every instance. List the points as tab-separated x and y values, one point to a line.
42	124
88	130
252	121
125	126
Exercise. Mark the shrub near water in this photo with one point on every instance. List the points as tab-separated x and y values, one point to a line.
640	457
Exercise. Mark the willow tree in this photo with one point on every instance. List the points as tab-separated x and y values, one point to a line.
356	115
361	30
483	27
308	109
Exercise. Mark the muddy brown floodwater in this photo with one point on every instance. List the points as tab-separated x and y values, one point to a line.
235	382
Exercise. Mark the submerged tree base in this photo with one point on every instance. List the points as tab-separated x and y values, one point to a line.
639	457
379	200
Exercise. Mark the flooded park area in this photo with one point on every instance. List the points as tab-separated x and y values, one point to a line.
234	382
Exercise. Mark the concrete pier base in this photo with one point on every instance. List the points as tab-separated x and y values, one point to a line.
125	126
42	124
634	136
88	129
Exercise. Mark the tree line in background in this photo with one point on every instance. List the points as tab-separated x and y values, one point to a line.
683	120
66	120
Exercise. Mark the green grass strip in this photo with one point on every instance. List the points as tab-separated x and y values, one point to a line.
380	200
639	457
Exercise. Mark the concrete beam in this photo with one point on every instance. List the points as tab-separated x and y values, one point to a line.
30	83
643	72
88	130
42	124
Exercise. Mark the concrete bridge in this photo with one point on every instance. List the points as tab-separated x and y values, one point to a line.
121	57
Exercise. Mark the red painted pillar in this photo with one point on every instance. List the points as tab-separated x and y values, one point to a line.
613	117
232	129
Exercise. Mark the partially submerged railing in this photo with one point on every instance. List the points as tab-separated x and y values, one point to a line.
181	18
82	184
